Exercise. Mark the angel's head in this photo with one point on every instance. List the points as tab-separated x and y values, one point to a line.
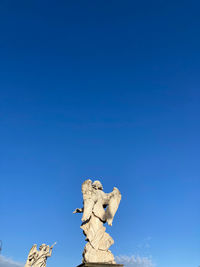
43	247
97	185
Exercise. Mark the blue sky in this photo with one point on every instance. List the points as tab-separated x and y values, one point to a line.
104	90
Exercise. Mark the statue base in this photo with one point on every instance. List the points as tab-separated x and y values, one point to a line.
99	264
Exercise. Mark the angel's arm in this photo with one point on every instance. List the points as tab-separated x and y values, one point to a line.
49	252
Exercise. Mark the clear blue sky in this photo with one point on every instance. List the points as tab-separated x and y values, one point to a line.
108	90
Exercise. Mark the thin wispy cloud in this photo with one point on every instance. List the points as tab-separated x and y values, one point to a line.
145	244
5	262
135	261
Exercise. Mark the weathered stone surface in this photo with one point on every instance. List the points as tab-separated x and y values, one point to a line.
98	209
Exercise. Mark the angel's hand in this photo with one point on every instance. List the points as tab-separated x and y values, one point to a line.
85	218
51	247
78	210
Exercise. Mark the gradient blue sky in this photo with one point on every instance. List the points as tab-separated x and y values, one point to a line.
105	90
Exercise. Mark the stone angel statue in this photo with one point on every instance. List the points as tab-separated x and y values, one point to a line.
98	208
39	258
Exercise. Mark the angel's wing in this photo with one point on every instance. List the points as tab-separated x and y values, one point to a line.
32	250
113	205
31	255
89	198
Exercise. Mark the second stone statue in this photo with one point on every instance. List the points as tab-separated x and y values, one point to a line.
38	258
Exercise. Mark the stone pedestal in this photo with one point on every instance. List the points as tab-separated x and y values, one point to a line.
99	264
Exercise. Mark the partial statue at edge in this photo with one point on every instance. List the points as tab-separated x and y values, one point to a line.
38	258
98	208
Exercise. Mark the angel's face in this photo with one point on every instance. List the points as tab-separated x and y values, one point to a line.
42	247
